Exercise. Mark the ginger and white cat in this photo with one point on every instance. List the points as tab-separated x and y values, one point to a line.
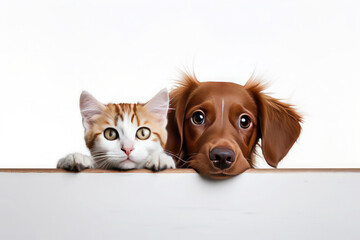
123	136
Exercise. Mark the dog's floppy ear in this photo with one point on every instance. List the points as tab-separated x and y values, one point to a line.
176	115
279	124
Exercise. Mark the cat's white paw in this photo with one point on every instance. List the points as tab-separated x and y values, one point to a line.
160	161
75	162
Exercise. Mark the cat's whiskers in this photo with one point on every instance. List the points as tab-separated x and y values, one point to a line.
107	155
107	164
189	158
106	160
102	163
175	156
100	159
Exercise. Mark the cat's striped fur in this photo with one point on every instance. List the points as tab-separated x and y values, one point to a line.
131	112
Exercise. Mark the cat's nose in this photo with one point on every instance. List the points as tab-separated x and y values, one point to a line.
127	150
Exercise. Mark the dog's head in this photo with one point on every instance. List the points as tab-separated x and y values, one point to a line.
214	126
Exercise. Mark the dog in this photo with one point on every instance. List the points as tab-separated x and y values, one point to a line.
214	127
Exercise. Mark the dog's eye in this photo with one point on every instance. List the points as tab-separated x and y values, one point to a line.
245	121
111	134
198	118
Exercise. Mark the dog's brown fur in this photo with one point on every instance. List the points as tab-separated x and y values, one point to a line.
276	123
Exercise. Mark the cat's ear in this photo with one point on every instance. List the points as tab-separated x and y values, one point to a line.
89	107
159	106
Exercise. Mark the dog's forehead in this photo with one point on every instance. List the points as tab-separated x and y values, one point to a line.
221	91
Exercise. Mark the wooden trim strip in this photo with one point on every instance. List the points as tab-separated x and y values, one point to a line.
55	170
302	170
183	170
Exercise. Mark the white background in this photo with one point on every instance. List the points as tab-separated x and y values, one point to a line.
126	51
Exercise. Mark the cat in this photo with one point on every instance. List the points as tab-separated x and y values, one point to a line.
122	136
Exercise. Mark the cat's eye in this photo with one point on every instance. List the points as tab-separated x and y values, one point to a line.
245	121
143	133
111	134
198	117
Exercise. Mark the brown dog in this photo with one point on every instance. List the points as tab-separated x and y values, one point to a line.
215	126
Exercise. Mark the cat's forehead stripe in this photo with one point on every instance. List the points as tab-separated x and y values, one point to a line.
133	112
132	118
114	108
117	111
137	118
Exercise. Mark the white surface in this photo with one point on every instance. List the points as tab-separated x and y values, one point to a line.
179	206
128	50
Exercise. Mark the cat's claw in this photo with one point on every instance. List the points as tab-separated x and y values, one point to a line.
160	162
75	162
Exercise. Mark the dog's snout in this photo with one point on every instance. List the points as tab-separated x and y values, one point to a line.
222	157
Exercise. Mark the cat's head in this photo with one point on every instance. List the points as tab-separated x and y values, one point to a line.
124	135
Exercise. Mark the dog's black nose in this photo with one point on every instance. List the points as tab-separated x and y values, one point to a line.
222	157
